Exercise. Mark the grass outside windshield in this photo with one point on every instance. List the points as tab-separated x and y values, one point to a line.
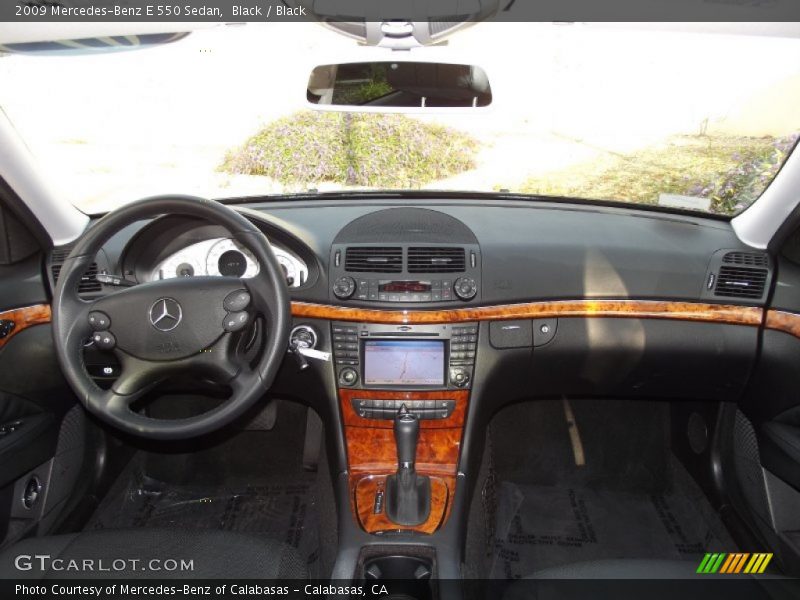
681	120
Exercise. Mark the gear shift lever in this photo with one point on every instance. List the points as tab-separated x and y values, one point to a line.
408	495
406	436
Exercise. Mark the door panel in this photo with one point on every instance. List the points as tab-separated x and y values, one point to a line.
42	430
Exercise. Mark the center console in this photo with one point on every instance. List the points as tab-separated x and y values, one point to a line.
392	378
403	389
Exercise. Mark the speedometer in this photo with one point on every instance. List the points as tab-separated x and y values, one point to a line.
231	259
179	265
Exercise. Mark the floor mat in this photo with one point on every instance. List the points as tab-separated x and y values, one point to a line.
253	482
281	511
541	526
630	498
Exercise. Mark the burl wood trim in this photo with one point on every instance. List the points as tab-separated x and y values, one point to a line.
372	453
372	450
780	320
639	309
24	318
370	442
365	488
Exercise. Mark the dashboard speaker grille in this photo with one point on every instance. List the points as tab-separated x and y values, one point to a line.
436	260
373	259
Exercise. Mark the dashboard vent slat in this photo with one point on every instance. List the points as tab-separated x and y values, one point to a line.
373	259
747	259
436	260
740	282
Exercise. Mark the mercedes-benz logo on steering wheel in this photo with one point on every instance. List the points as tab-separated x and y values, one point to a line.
165	314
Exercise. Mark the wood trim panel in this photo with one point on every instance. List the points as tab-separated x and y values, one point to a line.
364	491
780	320
372	454
372	450
24	318
370	442
634	309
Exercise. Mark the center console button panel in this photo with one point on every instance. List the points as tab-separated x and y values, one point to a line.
345	344
387	409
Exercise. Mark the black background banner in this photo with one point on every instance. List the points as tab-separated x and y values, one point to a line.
735	587
406	10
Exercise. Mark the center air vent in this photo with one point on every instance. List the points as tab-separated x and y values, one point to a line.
373	259
740	282
436	260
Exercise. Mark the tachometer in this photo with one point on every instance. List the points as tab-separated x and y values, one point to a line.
231	259
293	277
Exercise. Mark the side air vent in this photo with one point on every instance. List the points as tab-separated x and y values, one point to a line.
88	284
740	282
747	259
367	259
436	260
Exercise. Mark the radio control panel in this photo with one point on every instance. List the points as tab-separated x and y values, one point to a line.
404	357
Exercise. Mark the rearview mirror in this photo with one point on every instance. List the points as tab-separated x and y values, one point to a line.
398	84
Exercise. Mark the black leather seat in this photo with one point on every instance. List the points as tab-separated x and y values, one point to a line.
213	554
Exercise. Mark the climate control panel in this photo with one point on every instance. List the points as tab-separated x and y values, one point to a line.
405	273
389	290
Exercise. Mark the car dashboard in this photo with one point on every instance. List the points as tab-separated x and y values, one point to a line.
454	308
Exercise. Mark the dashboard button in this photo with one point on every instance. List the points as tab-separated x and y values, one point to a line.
236	301
104	340
344	287
99	321
348	376
235	321
465	288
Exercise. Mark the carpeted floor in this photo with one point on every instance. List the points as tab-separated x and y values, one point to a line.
632	498
252	483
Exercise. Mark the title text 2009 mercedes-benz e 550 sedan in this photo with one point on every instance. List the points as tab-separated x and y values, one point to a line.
405	320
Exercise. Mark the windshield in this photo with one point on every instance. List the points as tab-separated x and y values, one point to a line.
678	120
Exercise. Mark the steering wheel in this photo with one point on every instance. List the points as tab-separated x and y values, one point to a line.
161	328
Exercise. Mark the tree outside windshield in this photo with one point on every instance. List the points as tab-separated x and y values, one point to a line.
677	120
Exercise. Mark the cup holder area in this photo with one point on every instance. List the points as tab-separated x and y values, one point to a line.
407	576
397	567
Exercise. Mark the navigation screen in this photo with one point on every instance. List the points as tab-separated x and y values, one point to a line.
403	362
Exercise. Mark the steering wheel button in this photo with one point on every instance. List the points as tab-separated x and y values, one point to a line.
236	301
235	321
104	340
99	321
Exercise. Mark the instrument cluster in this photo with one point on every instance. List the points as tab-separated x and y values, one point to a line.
226	257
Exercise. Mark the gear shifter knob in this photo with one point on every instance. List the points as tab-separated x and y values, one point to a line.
406	435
